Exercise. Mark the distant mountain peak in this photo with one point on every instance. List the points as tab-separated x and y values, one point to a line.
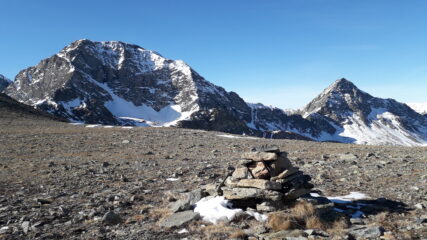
341	85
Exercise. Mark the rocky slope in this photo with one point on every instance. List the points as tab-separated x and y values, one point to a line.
60	181
116	83
11	110
358	117
4	82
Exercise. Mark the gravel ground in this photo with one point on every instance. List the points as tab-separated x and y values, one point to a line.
58	180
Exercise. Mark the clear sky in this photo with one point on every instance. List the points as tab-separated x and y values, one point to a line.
278	52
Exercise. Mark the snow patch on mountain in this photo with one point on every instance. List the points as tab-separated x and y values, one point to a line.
419	107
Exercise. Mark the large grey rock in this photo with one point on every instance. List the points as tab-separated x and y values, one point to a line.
188	200
367	232
296	193
260	156
259	183
248	193
285	173
240	173
270	206
178	219
281	164
284	234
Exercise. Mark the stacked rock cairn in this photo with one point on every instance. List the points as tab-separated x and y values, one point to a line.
265	180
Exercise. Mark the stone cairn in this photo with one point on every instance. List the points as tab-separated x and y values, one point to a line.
265	180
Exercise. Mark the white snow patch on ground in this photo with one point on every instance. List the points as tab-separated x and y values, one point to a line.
350	197
172	179
76	123
182	231
347	200
127	127
216	209
92	126
232	136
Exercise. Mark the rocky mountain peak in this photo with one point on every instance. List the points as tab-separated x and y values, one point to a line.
124	84
4	82
340	98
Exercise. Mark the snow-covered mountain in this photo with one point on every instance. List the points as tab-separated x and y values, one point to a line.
361	118
123	84
419	107
120	83
4	82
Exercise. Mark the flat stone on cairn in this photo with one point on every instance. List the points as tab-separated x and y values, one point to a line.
265	180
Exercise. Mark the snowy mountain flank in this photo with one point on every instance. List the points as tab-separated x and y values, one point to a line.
419	107
4	82
116	83
361	118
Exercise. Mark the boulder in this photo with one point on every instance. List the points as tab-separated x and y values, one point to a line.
296	193
179	219
270	206
260	156
259	183
291	170
240	173
281	164
188	201
246	193
373	232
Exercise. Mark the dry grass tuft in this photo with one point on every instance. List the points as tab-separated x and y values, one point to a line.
279	221
239	234
159	213
137	218
303	215
303	210
218	231
314	222
337	227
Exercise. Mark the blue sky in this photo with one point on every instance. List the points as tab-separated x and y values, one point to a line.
278	52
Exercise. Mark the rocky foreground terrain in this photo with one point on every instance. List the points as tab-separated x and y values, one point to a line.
61	181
